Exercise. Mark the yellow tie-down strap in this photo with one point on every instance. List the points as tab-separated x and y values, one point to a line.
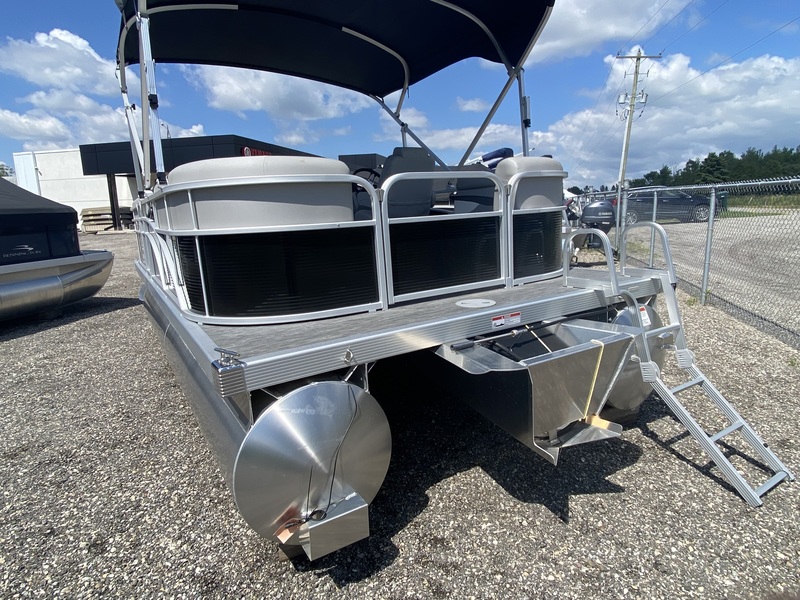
594	377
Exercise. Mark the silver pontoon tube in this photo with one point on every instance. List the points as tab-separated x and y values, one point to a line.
304	470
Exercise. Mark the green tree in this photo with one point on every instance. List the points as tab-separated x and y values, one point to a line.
712	170
575	190
730	163
651	178
637	182
664	176
689	174
752	164
5	170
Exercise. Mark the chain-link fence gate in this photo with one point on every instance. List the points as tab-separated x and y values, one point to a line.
734	245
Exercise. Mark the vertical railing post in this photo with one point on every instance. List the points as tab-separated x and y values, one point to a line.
653	231
709	236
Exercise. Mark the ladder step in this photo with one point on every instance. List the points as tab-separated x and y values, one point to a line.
771	483
688	384
727	431
659	330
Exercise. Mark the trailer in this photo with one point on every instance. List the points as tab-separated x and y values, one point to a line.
278	282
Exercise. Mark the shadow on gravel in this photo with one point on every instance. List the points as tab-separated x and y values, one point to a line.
654	409
434	437
71	313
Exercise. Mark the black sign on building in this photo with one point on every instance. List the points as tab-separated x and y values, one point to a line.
116	158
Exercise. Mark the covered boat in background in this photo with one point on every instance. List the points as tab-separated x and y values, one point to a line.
42	267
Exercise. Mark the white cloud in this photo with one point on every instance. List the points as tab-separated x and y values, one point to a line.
576	28
495	136
472	105
63	113
449	143
416	120
296	133
62	60
280	96
193	131
62	119
33	125
754	102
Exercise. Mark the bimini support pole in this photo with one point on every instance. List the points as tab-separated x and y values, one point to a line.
133	135
406	131
489	117
136	147
130	118
515	73
150	122
524	112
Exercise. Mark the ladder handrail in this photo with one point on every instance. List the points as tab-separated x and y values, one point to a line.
623	250
566	240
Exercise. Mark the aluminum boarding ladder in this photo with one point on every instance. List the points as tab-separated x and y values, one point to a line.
685	359
695	378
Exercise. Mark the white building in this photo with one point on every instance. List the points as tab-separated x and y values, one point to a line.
58	176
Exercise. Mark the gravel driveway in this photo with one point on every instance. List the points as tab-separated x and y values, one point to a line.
108	487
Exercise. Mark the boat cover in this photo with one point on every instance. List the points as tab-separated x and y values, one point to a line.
33	228
357	44
21	208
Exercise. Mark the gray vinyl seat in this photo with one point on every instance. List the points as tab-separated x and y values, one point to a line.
475	195
542	185
409	198
252	199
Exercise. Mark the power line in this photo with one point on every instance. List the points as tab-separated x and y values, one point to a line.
588	146
643	26
608	74
694	26
591	111
668	23
727	59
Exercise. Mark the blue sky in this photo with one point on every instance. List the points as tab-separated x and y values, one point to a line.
729	78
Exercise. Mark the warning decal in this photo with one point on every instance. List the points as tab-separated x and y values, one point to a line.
514	318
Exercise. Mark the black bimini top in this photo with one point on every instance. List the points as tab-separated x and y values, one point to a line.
372	46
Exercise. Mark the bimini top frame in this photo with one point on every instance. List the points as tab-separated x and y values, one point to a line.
375	48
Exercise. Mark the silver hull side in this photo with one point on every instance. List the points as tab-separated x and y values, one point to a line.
29	288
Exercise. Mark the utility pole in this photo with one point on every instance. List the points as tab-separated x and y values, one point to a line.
622	210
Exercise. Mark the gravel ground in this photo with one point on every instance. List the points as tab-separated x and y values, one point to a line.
109	489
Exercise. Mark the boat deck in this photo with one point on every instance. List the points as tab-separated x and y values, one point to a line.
277	353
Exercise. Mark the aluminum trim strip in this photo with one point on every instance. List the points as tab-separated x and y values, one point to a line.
271	369
164	311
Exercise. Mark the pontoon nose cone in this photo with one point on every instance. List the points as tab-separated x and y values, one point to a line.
310	465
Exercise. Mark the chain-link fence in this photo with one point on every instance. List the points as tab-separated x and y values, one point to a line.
734	245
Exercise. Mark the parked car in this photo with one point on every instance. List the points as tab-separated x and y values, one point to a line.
672	204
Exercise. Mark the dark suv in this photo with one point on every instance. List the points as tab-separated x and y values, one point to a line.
672	204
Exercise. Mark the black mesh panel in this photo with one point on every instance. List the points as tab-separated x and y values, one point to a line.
537	243
444	253
271	274
190	270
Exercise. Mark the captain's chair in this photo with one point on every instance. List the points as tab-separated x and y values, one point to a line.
412	198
